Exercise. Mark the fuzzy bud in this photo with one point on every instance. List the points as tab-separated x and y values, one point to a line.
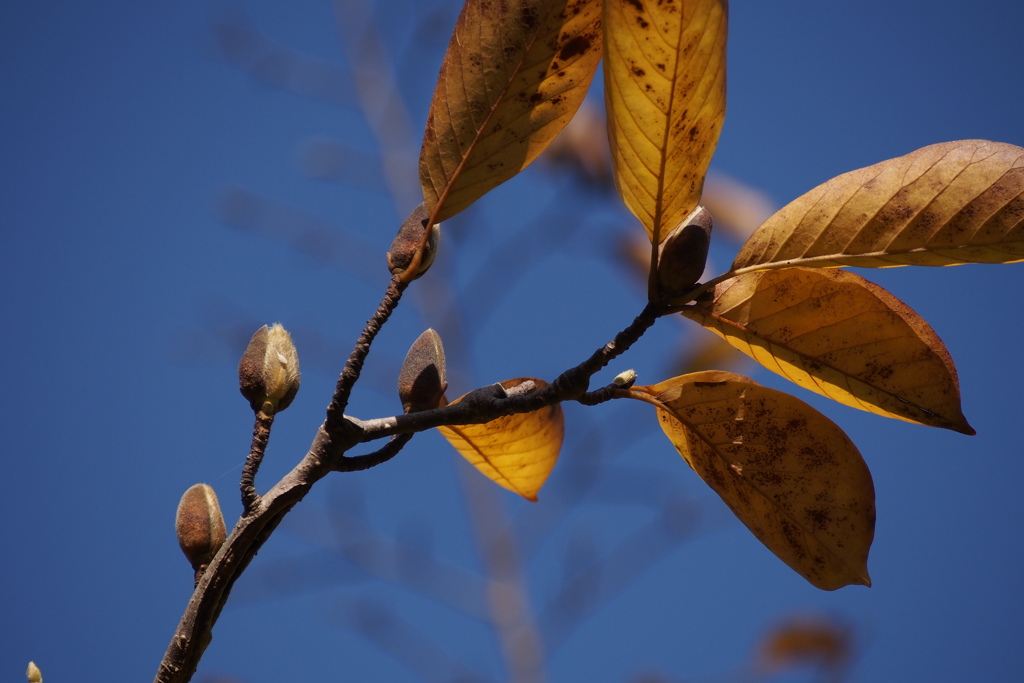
200	525
269	370
408	240
624	380
33	673
684	253
422	383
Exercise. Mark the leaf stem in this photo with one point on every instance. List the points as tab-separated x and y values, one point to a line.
822	261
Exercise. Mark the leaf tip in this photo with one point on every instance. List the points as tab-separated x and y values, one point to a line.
957	423
863	578
857	577
966	428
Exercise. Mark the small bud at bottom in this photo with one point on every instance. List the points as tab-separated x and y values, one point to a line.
200	525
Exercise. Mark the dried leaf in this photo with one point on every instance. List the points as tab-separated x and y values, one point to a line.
942	205
515	451
787	472
514	74
664	75
837	334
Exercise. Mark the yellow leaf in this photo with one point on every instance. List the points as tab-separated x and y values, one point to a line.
513	75
664	81
837	334
787	472
942	205
515	451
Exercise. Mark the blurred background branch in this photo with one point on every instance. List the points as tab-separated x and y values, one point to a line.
514	546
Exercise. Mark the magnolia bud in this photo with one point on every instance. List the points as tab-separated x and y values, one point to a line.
269	370
200	525
33	673
683	254
421	383
408	240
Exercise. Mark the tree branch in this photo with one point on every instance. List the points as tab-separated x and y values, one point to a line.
338	434
491	402
382	455
195	630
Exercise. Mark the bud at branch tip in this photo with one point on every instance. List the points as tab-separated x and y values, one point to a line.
408	241
422	382
624	380
200	525
684	253
268	373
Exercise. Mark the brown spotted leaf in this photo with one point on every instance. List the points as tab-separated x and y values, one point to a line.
514	74
787	472
942	205
516	451
664	76
837	334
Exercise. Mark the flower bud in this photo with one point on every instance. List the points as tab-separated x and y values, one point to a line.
33	673
683	254
408	240
269	370
421	383
200	525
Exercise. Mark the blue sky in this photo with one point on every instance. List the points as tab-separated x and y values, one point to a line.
151	194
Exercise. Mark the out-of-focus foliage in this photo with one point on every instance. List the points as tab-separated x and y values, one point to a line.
820	642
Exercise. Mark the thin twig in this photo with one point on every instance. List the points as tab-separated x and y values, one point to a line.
260	437
195	630
491	402
336	436
364	462
354	366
